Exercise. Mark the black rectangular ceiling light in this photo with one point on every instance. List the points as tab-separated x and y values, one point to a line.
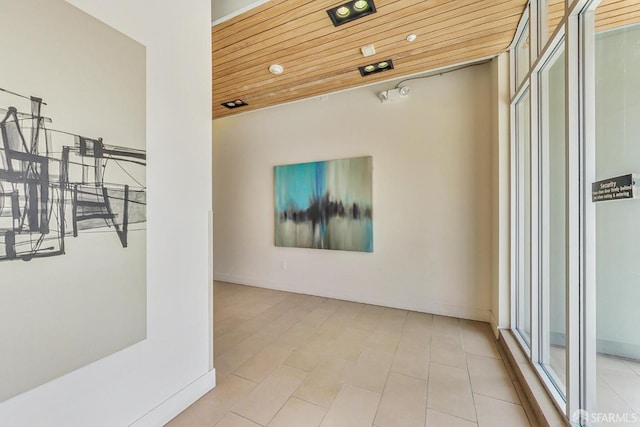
234	103
376	67
347	12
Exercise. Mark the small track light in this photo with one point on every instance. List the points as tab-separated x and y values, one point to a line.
393	94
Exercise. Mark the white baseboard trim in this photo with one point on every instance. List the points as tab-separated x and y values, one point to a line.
433	307
170	408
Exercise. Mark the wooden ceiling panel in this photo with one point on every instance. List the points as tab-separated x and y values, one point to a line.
319	58
394	48
612	14
427	29
334	82
433	20
316	36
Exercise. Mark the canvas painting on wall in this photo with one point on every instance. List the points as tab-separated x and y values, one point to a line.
72	192
325	205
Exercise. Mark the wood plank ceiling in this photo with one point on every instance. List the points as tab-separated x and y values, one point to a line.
319	58
610	14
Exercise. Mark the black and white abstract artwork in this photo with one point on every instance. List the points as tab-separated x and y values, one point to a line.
50	192
73	192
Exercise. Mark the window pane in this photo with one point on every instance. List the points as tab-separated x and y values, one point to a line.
617	108
522	58
553	12
554	217
523	214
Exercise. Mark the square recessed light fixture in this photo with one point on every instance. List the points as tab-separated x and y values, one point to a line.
234	103
347	12
376	67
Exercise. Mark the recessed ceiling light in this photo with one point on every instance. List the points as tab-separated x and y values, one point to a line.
276	69
234	104
360	5
377	67
411	37
343	12
347	12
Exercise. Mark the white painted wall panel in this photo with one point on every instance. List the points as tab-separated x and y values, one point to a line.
431	194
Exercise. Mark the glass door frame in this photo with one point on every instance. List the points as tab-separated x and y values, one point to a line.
546	61
519	89
584	26
577	30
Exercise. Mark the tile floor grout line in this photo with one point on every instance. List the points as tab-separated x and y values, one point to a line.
240	376
494	397
426	399
456	416
466	362
386	381
497	398
241	416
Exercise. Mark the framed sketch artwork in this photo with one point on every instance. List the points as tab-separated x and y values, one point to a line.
72	192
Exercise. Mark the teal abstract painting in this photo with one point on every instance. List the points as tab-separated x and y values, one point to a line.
325	205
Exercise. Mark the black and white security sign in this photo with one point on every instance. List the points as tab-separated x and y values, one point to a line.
620	187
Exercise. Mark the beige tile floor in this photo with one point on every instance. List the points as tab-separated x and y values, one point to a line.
617	388
289	360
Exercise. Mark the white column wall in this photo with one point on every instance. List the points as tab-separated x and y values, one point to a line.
164	373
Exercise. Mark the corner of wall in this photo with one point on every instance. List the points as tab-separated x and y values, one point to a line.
500	155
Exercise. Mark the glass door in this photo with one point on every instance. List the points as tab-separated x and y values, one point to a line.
523	216
613	35
553	240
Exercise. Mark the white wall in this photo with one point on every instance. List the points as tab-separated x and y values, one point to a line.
122	388
431	194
